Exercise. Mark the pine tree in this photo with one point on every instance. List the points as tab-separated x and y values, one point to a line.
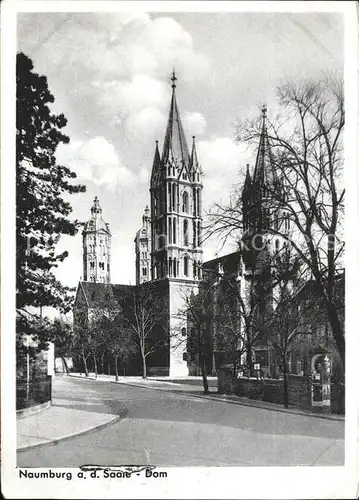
42	189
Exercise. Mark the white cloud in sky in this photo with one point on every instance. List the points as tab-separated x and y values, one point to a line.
146	123
222	161
96	160
194	123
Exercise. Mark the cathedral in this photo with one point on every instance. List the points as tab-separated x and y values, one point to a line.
168	246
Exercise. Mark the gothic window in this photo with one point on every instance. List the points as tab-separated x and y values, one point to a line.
194	200
185	232
174	231
174	197
108	267
175	267
185	202
198	202
277	245
170	230
194	233
170	266
92	265
144	271
184	332
194	269
185	266
169	195
199	233
161	242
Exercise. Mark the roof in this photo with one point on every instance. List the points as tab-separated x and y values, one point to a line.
175	145
229	261
264	170
100	294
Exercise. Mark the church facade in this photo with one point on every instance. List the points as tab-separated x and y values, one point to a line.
168	246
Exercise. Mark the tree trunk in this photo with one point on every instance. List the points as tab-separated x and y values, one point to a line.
337	329
204	373
95	364
144	373
285	383
85	365
102	363
116	368
65	365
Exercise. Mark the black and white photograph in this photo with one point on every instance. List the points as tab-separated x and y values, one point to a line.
179	304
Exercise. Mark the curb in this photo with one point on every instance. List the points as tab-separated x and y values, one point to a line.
239	402
69	436
31	410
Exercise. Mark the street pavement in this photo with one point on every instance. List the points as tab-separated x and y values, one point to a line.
169	428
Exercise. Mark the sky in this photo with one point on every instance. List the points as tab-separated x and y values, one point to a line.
110	76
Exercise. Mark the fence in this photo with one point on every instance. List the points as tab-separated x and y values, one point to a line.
32	393
272	390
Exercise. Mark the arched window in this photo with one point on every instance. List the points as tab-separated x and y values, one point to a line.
175	267
185	232
169	230
169	193
170	266
194	234
185	266
185	202
184	332
174	197
194	200
194	269
199	233
174	231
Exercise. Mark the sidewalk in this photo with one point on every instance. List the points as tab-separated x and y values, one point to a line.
55	423
175	384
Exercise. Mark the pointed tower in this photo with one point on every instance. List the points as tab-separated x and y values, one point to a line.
176	226
96	240
262	212
176	204
143	249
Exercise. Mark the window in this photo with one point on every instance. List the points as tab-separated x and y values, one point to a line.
194	200
184	332
185	232
144	271
92	265
194	233
174	197
174	231
174	267
101	265
170	266
108	267
199	233
169	230
169	192
194	269
185	265
185	202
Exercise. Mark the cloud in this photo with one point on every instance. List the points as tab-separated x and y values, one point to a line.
96	160
195	123
222	162
146	123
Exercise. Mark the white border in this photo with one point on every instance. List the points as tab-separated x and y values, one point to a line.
231	482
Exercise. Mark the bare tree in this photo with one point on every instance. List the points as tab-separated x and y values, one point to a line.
198	314
145	315
309	159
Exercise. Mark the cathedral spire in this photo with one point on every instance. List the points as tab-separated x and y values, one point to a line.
264	171
194	159
175	146
156	167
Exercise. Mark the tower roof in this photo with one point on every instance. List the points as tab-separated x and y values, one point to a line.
194	158
175	146
96	223
264	171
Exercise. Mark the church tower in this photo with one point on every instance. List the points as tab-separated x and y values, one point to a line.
263	214
176	204
143	250
176	226
96	240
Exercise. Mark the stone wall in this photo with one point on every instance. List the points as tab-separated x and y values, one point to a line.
271	390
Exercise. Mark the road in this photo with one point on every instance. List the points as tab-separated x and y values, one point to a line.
168	429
